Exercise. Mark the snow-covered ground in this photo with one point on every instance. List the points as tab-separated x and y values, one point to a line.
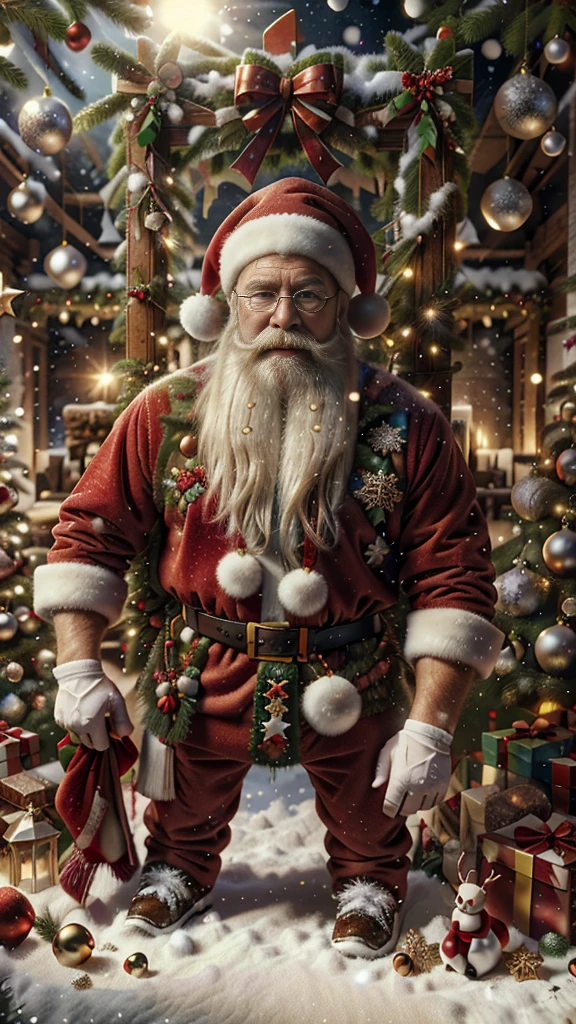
262	955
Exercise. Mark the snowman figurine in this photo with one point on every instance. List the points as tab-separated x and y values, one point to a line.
474	943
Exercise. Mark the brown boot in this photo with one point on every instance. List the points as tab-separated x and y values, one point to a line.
166	897
368	922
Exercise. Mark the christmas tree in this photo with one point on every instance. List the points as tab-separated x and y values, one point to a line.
27	686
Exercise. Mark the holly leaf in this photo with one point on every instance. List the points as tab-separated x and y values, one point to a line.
376	516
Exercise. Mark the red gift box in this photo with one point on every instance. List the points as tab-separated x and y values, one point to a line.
9	756
29	746
564	771
537	864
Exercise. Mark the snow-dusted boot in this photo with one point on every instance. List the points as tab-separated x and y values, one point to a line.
166	897
368	922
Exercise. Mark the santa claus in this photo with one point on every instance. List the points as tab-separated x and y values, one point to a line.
284	492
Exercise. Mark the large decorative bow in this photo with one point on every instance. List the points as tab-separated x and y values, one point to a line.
539	729
562	840
272	96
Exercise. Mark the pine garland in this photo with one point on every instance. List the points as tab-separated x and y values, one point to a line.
100	111
131	16
12	74
403	56
37	17
117	61
46	925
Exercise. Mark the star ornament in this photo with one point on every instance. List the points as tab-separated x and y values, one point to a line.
274	727
379	490
7	296
522	964
386	439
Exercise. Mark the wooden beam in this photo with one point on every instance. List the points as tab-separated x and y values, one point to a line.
548	238
481	252
83	199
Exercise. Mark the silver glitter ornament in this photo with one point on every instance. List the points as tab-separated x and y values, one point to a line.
45	124
506	204
566	466
535	497
26	202
521	592
553	143
569	606
559	553
14	672
65	265
45	658
525	106
8	626
507	661
555	650
568	411
557	50
13	709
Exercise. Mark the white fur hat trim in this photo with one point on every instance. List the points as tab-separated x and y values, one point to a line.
331	705
203	317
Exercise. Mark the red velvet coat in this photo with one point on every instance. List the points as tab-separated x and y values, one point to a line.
440	534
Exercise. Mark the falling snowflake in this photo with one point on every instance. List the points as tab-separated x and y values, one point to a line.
386	439
379	490
376	552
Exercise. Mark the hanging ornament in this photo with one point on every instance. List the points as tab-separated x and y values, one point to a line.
78	35
331	705
568	411
65	265
491	49
557	50
553	143
444	32
555	650
239	574
163	689
415	8
7	296
188	446
525	106
45	659
72	945
8	626
566	466
155	220
521	592
507	661
14	672
26	201
506	204
45	124
170	74
108	233
136	964
569	606
368	315
338	5
13	709
8	498
17	915
536	497
303	592
28	622
559	553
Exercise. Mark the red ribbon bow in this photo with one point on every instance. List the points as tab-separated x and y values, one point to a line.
272	96
562	839
540	729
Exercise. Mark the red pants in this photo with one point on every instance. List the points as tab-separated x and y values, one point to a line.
191	831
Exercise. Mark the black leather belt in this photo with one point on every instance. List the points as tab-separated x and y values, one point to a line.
278	641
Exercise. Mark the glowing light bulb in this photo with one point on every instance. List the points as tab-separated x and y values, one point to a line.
459	245
405	332
408	272
536	378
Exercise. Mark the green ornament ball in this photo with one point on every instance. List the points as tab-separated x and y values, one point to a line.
553	944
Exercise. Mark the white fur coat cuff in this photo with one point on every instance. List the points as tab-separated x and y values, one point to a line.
77	586
455	635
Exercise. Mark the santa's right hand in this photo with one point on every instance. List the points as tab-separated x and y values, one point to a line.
85	696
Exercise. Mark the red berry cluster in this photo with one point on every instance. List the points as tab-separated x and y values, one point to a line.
137	293
422	86
188	477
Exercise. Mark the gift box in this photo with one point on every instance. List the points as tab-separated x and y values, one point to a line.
22	789
564	771
531	756
492	776
564	799
9	756
536	862
29	746
475	770
472	804
495	747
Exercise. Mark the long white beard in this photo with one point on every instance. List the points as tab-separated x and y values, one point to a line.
272	472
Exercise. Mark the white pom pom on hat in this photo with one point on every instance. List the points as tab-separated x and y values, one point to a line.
239	574
290	217
303	592
331	705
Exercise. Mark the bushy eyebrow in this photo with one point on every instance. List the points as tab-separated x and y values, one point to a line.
264	282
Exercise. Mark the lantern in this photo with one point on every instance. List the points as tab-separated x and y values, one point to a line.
36	841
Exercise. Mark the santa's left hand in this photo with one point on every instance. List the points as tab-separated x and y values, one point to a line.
416	764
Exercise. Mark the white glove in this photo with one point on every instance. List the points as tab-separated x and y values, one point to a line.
85	696
417	765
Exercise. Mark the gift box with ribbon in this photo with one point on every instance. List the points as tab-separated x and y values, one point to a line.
29	746
495	748
563	789
536	862
472	805
532	748
9	755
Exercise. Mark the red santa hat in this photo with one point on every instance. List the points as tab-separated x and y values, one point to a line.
291	217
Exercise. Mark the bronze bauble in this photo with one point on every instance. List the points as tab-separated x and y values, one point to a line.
559	553
136	964
26	201
45	124
189	446
65	265
553	143
566	466
555	650
14	672
72	945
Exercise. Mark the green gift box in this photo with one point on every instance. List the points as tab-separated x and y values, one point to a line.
495	747
532	757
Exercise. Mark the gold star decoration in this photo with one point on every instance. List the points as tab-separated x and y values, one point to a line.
276	707
379	490
7	296
522	964
415	955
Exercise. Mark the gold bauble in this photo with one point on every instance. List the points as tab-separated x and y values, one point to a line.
72	945
506	204
403	964
14	672
189	445
45	124
136	964
26	202
525	106
65	265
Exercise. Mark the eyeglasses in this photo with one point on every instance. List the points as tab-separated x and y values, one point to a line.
306	300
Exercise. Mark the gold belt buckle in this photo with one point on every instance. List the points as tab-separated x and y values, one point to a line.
251	641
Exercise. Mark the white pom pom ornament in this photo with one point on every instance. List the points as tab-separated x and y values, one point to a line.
163	689
331	705
239	574
203	317
303	592
187	685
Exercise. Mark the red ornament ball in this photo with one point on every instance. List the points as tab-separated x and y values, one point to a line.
78	35
16	916
444	32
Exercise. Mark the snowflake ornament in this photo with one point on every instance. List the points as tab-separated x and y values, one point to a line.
386	439
379	490
375	553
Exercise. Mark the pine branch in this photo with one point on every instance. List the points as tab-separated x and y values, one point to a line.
437	17
463	65
12	74
481	24
557	22
45	925
403	57
100	111
400	257
442	55
131	16
37	18
77	9
513	36
118	62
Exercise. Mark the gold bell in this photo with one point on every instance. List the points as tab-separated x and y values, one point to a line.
136	964
189	446
72	945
